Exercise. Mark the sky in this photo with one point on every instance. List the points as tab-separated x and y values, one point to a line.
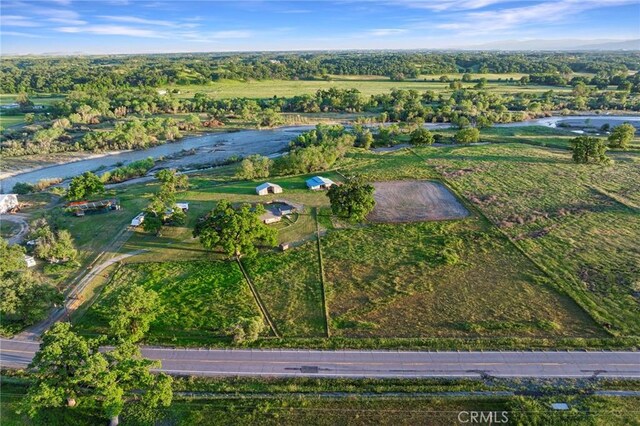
140	26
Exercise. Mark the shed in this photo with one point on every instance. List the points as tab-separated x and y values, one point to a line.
183	206
30	260
8	203
268	188
137	221
318	183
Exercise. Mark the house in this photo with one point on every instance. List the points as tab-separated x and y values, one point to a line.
183	206
8	203
318	183
137	221
30	260
268	188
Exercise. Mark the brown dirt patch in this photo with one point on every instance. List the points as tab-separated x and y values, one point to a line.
414	201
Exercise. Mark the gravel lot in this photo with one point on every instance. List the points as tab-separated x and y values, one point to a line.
414	201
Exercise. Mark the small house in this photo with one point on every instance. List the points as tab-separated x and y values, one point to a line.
268	188
8	203
137	221
183	206
30	261
319	183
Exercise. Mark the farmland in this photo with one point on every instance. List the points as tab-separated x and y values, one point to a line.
515	268
368	85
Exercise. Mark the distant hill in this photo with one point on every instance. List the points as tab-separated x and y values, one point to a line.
559	44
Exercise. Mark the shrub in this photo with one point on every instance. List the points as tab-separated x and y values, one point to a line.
469	135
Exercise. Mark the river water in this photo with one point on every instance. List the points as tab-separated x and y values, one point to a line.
217	147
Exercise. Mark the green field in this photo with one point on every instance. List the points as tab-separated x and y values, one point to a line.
368	85
580	223
198	300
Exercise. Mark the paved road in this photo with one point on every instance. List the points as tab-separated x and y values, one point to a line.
236	362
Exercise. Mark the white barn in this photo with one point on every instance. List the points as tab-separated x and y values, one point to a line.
318	183
268	188
8	202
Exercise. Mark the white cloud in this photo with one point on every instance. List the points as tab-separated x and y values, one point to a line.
17	21
230	34
448	5
20	34
514	17
384	32
136	20
116	30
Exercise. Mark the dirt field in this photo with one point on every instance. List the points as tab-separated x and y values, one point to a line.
414	201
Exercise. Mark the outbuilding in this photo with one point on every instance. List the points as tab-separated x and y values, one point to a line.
268	188
183	206
30	261
8	203
318	183
137	221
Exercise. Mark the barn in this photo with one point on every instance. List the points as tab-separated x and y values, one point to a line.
318	183
8	203
268	188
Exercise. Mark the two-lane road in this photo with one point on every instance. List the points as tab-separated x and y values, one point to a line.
381	364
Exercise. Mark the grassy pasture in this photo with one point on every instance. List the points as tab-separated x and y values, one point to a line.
289	285
368	85
580	222
199	301
403	281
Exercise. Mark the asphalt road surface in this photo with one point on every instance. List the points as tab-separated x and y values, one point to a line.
274	363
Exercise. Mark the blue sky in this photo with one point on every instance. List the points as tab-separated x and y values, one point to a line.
137	26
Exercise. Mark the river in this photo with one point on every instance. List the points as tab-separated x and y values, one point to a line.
213	148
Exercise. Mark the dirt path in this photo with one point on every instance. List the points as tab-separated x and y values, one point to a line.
74	299
19	219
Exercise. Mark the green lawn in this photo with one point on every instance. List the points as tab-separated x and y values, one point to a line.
199	301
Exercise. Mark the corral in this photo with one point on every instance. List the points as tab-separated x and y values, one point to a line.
414	201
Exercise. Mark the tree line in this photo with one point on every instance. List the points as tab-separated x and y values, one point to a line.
65	74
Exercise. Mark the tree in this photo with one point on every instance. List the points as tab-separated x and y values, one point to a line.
70	370
134	310
25	298
23	100
54	247
469	135
237	231
587	149
84	185
621	136
353	199
254	167
421	136
164	201
29	118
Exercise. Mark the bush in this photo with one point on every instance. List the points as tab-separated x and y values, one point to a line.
22	188
469	135
587	149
